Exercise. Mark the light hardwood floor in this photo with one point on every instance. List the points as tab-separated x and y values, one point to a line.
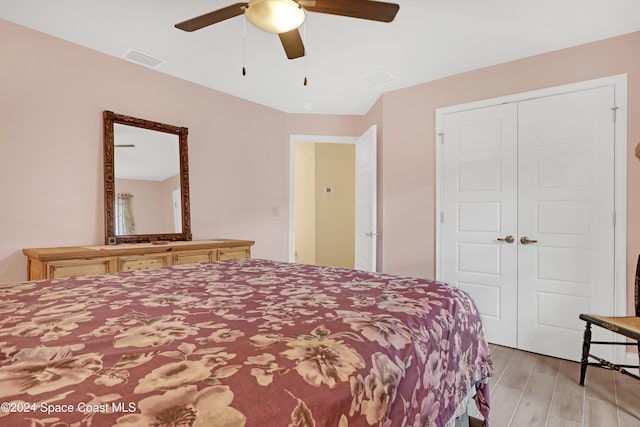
530	390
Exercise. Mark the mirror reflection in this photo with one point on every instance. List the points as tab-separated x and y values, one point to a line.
147	181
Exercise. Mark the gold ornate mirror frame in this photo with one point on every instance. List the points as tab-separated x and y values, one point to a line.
111	238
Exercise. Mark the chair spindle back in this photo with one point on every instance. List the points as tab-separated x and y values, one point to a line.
636	288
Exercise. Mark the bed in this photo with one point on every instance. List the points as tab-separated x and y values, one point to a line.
239	343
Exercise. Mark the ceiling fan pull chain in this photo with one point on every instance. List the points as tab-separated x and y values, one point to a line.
244	45
304	40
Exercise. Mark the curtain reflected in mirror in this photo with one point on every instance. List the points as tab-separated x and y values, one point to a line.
125	223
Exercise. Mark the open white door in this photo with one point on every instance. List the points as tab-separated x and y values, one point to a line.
366	211
177	210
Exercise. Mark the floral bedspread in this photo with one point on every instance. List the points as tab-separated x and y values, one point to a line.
238	343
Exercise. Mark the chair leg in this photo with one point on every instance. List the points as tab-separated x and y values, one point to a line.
639	357
586	345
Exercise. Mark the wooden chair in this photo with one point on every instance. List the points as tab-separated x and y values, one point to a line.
628	326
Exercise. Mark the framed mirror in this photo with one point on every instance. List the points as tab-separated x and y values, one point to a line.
146	181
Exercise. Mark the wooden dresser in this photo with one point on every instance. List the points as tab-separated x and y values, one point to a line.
48	263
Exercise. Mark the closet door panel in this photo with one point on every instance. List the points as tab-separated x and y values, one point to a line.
479	206
566	204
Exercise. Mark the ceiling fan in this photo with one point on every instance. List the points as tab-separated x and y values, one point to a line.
284	17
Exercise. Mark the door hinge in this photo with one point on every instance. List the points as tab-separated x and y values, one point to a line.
442	217
441	135
614	219
615	114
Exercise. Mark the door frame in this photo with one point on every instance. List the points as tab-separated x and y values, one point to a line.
619	82
293	139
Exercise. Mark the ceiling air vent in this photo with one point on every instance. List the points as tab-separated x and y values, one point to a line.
142	58
379	78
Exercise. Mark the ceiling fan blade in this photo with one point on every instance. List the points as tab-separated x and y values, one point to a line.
292	43
212	17
363	9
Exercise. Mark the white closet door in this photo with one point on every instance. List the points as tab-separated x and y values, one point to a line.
541	169
566	203
479	204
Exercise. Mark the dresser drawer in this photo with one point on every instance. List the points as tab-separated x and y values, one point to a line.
87	267
143	262
234	253
190	257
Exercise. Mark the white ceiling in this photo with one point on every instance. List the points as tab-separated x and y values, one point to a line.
428	40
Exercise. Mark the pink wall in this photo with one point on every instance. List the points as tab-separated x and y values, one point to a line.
408	148
52	94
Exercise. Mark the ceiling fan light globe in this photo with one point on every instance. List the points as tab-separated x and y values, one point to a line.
275	16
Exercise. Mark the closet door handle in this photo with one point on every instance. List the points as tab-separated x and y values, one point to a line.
525	240
508	238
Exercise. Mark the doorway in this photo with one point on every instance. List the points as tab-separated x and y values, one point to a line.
363	235
324	211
